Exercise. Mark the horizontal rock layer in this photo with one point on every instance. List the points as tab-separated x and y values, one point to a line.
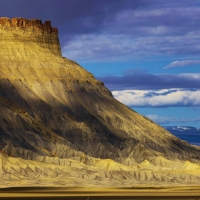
95	173
53	110
20	29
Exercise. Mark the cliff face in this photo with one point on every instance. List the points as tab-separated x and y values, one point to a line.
17	29
53	114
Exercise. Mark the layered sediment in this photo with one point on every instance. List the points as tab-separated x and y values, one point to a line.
17	29
57	120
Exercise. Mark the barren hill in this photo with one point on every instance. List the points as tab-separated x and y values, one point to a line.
57	120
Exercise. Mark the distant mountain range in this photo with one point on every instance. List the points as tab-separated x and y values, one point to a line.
188	133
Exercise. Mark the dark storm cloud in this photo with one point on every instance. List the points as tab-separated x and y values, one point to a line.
116	29
156	29
71	16
146	81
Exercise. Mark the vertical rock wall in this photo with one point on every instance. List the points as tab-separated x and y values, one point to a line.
32	30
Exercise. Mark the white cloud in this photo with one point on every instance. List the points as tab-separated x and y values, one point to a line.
92	47
115	47
161	119
167	120
127	40
194	76
158	98
140	33
182	63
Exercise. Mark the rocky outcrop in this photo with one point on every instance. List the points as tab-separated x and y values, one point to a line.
33	30
53	110
53	171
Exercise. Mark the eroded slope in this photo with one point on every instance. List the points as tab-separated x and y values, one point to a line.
51	107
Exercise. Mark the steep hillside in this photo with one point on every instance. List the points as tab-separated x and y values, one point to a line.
53	110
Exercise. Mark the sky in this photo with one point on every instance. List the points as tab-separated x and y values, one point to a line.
147	52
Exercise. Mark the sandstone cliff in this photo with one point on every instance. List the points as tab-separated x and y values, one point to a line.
53	113
17	29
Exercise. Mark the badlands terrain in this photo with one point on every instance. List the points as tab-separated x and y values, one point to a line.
59	126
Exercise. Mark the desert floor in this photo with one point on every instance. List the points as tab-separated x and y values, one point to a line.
187	193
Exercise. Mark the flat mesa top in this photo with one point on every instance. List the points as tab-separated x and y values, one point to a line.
30	24
32	30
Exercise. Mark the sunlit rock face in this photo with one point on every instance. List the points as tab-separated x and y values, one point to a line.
57	120
19	30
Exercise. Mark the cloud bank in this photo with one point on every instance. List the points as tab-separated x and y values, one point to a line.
140	89
147	81
151	28
182	63
167	120
117	30
159	98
